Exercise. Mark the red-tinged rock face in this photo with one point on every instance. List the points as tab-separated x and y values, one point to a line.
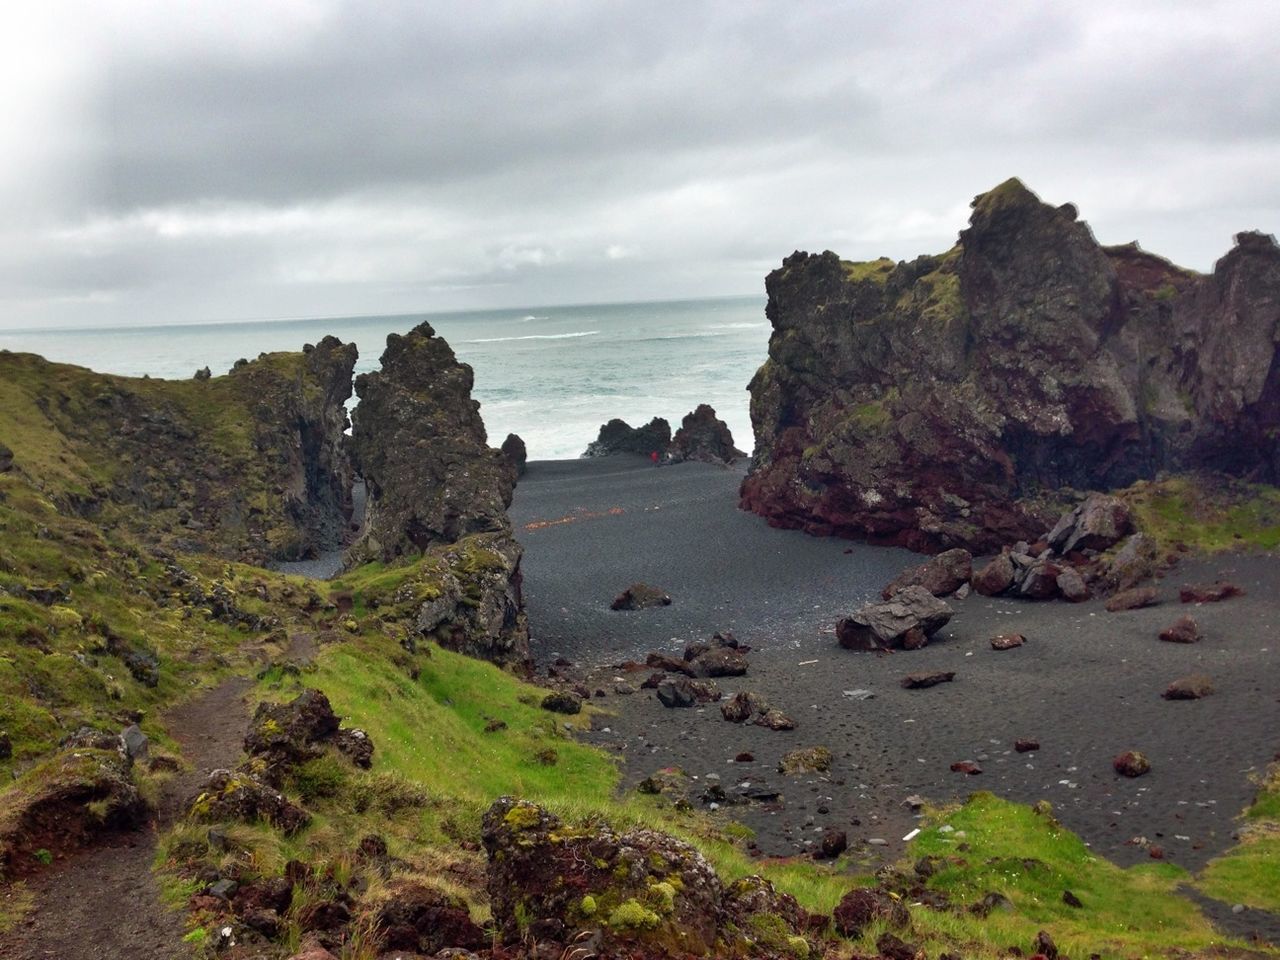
919	404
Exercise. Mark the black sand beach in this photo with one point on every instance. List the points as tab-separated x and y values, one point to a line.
1087	684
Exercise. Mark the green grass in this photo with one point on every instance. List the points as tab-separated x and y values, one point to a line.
1031	860
1208	515
1249	873
877	271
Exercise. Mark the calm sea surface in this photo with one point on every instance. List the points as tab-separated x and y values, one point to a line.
551	374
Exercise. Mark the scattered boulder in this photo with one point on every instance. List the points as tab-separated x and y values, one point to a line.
425	920
922	681
1133	599
743	705
640	893
561	701
640	596
1040	581
775	720
1026	745
908	620
1099	523
1071	900
942	575
513	449
1071	585
805	760
703	436
990	903
860	908
1212	593
1192	687
1131	763
356	746
285	734
683	692
617	436
1182	630
242	796
892	947
1045	946
834	842
135	743
994	578
1135	563
720	662
669	664
966	766
1007	641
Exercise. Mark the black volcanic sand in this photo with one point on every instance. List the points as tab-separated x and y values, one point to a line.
1087	683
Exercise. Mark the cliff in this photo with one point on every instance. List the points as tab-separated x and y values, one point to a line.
433	481
944	401
247	466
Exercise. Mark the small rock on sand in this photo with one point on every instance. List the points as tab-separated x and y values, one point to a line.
1183	630
776	720
1132	599
805	760
966	766
640	596
1026	745
1007	641
1131	763
1195	593
920	681
1192	687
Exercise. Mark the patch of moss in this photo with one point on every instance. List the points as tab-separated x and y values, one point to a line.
1208	514
633	915
875	271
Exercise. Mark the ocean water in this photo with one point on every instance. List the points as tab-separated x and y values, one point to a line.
551	374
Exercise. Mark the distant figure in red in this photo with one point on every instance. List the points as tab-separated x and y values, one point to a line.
654	457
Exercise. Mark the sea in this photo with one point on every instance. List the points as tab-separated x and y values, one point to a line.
552	375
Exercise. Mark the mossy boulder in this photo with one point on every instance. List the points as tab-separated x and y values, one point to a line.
636	893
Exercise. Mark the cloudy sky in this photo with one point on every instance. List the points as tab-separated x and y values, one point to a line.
237	159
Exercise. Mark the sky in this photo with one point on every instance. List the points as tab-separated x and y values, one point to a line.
240	159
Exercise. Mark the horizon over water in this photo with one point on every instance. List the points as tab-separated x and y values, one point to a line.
552	375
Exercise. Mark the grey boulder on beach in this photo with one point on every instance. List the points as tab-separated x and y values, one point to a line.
907	621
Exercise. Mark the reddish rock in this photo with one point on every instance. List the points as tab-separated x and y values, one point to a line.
1189	688
1183	630
1131	763
1026	746
1132	599
922	681
995	578
1155	852
834	842
1213	593
662	661
966	766
422	919
860	908
913	611
1072	586
743	705
942	575
719	662
1040	582
1007	641
775	720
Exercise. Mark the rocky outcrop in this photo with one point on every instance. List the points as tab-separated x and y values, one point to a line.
517	455
435	485
933	403
418	441
641	893
618	436
703	436
248	466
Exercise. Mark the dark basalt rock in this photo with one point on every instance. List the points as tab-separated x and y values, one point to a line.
1182	630
908	620
860	908
513	449
243	796
1131	763
1133	599
922	681
425	920
942	575
562	702
1192	687
1213	593
926	403
617	436
703	436
640	596
283	735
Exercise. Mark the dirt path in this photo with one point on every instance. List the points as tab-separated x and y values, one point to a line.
105	904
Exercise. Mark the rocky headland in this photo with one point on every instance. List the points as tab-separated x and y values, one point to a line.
957	399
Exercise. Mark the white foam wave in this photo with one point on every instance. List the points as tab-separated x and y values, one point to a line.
743	325
527	318
537	336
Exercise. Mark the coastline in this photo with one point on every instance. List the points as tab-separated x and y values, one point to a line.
1087	684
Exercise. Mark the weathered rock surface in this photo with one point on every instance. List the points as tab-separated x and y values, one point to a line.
908	620
513	449
283	735
1131	763
1100	522
928	403
1193	687
1182	630
434	484
641	893
419	443
618	436
640	596
1211	593
860	908
425	920
922	681
703	436
248	466
942	575
1133	599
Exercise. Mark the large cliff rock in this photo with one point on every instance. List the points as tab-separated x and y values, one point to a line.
435	485
247	466
936	403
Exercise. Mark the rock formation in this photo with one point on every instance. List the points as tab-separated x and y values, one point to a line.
618	436
929	403
248	465
418	441
703	436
